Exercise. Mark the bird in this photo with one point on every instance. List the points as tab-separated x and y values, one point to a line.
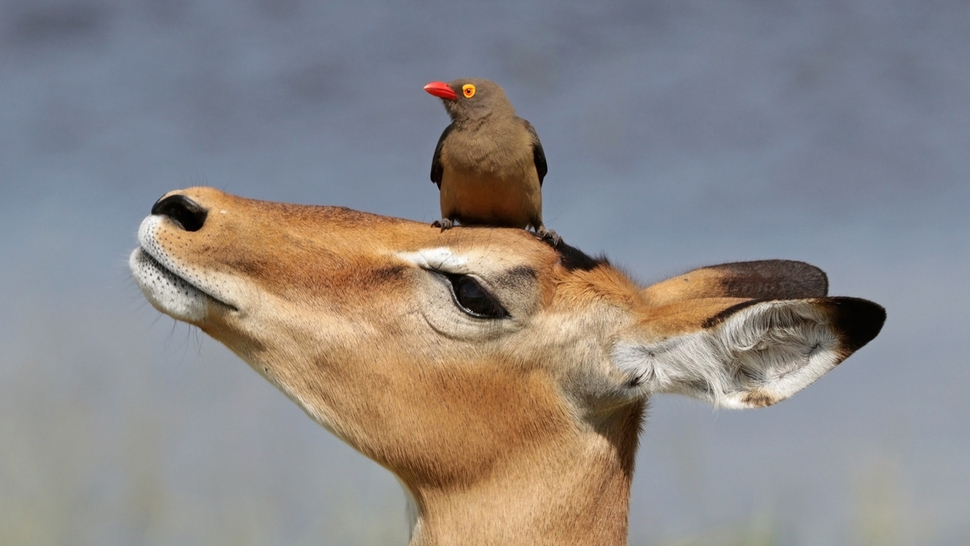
488	164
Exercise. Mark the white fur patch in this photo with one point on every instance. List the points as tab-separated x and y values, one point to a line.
758	356
164	290
179	291
440	259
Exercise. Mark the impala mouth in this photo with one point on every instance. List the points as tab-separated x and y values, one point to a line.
170	292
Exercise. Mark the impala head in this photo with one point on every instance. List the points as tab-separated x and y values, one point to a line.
499	378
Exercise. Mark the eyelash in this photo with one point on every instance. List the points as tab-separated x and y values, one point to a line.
473	299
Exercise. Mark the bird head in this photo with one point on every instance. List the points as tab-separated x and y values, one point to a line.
471	98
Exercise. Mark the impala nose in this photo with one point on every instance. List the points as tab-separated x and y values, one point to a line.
183	211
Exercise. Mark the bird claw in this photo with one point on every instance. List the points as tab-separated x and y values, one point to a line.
444	224
549	236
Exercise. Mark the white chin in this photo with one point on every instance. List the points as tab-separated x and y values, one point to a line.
165	291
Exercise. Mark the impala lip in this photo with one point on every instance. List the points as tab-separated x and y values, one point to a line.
150	262
165	282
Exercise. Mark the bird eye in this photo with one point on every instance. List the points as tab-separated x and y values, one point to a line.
473	299
468	90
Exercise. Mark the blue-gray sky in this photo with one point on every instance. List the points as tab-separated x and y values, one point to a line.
678	134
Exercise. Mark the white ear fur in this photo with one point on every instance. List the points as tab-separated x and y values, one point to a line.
755	357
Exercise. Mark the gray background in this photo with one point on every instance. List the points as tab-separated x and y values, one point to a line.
678	134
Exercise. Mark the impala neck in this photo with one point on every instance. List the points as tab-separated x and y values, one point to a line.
575	492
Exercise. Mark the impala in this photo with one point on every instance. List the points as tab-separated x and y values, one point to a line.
503	381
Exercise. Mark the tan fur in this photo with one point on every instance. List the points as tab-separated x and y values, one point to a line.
701	283
517	431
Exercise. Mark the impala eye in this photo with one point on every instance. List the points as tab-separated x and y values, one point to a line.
473	299
468	90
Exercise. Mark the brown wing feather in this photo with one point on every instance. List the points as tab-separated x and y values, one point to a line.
437	170
538	154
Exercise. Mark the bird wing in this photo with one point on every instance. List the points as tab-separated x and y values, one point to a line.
538	155
436	169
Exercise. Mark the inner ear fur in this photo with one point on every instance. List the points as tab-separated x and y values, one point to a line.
742	353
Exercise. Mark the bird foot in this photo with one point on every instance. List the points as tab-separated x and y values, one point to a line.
444	224
549	236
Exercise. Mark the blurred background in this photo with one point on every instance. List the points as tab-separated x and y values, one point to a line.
678	133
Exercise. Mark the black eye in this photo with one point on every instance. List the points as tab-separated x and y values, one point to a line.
473	299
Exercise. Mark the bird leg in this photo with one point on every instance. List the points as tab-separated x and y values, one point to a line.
444	223
548	236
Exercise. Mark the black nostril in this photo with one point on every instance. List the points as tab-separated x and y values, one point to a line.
182	210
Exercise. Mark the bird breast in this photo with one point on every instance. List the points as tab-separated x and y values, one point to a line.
504	150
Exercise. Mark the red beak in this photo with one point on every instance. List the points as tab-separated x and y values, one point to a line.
441	90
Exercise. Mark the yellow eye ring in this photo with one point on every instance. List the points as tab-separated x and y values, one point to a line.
468	90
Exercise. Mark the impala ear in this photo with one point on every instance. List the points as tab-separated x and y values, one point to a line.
739	355
762	280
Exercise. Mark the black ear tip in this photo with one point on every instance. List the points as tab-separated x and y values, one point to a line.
858	320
